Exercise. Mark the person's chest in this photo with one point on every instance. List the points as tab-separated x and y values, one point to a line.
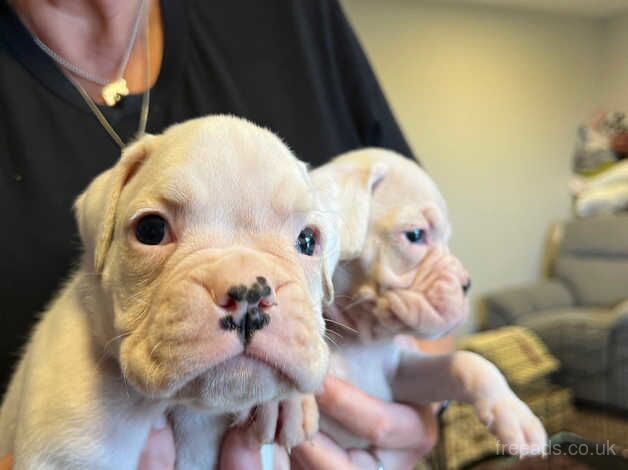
52	145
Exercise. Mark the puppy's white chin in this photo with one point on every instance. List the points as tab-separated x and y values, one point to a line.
238	383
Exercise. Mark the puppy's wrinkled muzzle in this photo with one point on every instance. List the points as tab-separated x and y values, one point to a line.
219	306
429	300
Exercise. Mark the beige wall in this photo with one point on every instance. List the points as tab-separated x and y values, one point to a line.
616	63
490	100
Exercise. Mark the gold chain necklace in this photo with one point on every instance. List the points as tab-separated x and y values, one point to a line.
143	120
112	90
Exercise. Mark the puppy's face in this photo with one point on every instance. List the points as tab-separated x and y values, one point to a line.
214	266
402	278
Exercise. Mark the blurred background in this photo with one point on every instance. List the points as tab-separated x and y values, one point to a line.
490	94
516	109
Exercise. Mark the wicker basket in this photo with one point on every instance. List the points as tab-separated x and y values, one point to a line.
526	363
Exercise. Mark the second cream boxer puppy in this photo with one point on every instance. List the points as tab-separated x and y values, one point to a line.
399	277
207	258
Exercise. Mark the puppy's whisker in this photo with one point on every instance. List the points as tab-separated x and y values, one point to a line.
334	332
91	274
124	380
343	325
108	343
152	374
353	304
139	300
115	338
339	336
154	349
345	296
331	340
253	415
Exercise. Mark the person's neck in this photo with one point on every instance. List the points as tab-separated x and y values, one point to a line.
93	32
94	35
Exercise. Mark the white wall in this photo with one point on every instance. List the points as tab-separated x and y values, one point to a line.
490	100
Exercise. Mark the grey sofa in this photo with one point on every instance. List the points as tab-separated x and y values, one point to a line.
581	309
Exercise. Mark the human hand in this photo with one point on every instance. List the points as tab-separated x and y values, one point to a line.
399	434
158	453
238	452
6	463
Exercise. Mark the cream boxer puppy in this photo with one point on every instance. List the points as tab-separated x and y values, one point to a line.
198	297
398	276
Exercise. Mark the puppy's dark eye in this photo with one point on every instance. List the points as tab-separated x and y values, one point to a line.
151	229
416	236
306	242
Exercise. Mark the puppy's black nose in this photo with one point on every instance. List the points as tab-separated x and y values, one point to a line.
254	317
466	286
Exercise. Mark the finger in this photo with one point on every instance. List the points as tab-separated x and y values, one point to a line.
159	451
400	459
364	460
281	460
388	459
383	424
321	453
239	451
6	463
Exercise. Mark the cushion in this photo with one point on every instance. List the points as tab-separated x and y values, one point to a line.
593	259
602	235
578	337
594	280
503	307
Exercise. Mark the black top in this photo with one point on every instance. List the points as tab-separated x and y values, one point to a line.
293	66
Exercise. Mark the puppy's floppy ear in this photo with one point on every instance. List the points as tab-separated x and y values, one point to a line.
95	209
332	243
329	264
351	200
326	191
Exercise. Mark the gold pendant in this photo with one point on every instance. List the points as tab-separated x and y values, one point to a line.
114	91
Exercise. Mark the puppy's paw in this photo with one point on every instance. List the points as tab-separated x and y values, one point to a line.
265	421
288	422
298	417
517	429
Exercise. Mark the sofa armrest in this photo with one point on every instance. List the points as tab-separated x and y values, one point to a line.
618	339
506	306
620	312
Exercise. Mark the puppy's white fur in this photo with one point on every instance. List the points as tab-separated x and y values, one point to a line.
389	284
135	333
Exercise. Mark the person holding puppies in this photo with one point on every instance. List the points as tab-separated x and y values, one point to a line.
79	80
